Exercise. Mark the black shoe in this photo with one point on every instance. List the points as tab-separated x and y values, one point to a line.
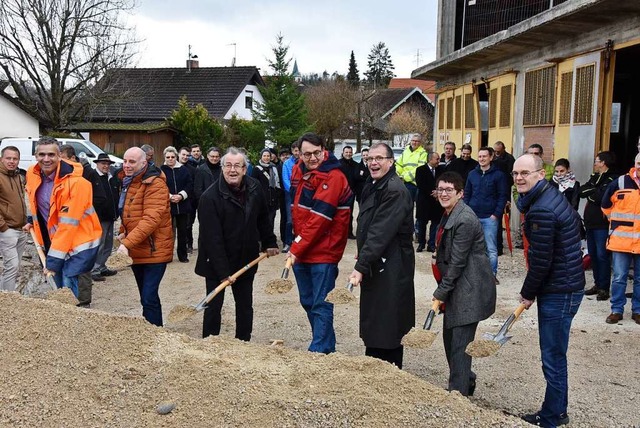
496	279
563	419
97	277
500	253
286	249
108	272
534	419
431	249
352	236
602	295
519	246
185	260
84	305
628	295
591	291
420	248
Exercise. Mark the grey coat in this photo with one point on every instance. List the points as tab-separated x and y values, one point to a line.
468	286
387	262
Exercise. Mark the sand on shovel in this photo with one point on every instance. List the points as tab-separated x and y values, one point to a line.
339	296
62	295
278	286
419	338
181	313
482	348
118	261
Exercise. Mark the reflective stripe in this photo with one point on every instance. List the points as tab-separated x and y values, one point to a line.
69	220
632	235
411	164
626	216
56	254
86	246
322	215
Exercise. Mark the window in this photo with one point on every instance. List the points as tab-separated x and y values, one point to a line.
441	114
505	105
469	112
493	107
248	100
566	82
458	113
450	113
539	88
583	106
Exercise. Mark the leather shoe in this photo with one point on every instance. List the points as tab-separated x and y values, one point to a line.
352	236
614	318
591	291
535	419
420	248
97	277
108	272
602	295
184	260
285	249
636	318
431	249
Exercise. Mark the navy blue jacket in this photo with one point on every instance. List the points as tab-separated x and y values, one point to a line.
179	181
486	192
552	227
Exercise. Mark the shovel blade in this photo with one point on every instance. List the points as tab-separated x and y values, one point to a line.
285	273
501	339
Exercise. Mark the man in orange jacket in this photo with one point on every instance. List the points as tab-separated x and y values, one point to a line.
63	218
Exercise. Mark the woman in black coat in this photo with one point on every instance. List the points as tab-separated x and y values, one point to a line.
386	261
468	287
565	181
180	186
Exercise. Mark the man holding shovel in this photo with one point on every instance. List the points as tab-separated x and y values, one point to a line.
234	223
555	278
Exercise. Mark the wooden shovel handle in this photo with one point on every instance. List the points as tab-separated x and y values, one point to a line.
288	263
235	276
43	258
519	310
436	305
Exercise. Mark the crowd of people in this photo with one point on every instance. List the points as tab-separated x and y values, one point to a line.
71	208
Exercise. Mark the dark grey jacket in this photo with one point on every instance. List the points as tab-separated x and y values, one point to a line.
468	287
387	262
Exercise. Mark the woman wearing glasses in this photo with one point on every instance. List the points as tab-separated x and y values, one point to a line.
468	288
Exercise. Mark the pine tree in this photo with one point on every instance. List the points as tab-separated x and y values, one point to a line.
283	111
380	66
353	76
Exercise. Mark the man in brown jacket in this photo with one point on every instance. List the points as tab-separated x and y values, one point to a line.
13	216
145	233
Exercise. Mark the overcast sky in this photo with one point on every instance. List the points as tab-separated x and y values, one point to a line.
320	34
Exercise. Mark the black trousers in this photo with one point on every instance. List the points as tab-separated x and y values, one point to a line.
243	296
455	341
192	219
393	356
180	224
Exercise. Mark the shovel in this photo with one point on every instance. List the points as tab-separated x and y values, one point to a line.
182	312
341	295
43	260
283	284
491	343
423	338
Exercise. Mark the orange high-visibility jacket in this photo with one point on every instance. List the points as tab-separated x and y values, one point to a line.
621	204
73	225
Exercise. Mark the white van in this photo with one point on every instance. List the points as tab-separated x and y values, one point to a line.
27	148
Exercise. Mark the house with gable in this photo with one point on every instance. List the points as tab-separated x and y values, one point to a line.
142	98
15	121
560	73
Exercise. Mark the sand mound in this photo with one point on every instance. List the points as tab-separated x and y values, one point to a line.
62	295
64	366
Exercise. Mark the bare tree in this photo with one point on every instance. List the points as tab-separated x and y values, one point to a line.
409	120
330	104
53	52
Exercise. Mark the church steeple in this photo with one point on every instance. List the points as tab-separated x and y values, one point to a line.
296	73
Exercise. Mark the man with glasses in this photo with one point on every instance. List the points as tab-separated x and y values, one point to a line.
555	278
234	228
386	262
321	198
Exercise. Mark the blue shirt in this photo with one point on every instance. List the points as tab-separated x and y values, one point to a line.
43	195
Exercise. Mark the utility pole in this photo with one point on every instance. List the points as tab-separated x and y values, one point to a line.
418	58
233	61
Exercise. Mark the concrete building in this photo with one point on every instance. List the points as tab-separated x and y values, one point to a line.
560	73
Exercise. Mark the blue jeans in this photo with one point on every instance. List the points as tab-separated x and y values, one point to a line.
621	264
288	232
66	281
555	314
315	281
490	229
148	277
600	257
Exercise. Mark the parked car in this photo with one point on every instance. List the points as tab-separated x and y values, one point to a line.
27	148
397	151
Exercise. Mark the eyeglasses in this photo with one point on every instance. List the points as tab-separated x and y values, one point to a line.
597	161
229	166
523	174
378	159
317	154
447	190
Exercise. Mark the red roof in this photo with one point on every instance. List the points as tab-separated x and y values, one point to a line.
426	86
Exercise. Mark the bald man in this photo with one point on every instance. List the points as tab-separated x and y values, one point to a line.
145	233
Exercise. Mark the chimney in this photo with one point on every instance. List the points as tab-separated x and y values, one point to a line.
192	63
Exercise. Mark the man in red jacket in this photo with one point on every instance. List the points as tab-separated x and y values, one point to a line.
320	210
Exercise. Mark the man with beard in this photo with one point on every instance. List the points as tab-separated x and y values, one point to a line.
386	261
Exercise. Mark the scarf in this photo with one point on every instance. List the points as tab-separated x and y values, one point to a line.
126	182
269	168
565	182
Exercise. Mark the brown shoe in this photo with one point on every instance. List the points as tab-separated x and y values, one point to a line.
636	318
614	318
591	291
